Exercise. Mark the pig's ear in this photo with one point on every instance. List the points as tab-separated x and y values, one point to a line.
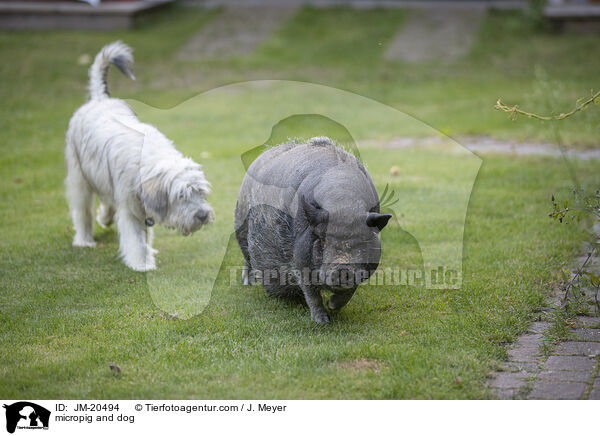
315	215
378	220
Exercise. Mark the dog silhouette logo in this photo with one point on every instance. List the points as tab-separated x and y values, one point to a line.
26	415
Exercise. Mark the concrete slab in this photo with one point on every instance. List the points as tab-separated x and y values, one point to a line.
547	390
442	34
570	363
578	349
576	376
508	380
587	334
236	31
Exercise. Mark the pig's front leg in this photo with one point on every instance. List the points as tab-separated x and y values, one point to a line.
339	300
248	278
312	295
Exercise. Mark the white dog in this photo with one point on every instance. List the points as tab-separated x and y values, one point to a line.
134	169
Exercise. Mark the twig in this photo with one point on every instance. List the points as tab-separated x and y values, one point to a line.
577	275
515	111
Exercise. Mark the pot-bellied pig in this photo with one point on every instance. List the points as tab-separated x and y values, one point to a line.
307	219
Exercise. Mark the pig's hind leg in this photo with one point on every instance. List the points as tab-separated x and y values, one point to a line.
241	235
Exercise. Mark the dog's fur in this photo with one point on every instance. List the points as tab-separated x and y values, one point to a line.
134	169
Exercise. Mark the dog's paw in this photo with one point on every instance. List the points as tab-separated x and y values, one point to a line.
84	243
142	267
140	263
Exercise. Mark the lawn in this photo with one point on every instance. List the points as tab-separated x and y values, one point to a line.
66	313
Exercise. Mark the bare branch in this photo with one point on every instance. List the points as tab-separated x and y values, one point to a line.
580	105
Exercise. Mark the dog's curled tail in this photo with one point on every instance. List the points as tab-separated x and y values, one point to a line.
116	53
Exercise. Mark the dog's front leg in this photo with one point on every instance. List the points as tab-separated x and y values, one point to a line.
150	239
133	240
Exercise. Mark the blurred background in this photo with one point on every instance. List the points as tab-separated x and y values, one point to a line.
444	62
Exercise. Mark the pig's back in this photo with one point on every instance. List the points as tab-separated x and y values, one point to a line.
278	174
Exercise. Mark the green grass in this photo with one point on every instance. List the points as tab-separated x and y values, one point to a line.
66	313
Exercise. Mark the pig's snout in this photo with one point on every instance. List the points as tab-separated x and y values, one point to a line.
342	277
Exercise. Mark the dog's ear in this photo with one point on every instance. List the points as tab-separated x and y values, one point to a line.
154	199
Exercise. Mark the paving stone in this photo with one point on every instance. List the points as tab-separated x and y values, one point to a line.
587	334
505	394
236	31
570	363
578	348
509	380
576	376
588	321
530	367
531	340
524	354
595	394
442	33
547	390
539	327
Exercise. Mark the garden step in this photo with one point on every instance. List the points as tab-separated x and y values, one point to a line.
19	15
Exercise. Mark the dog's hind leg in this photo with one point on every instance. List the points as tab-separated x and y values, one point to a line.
105	215
81	198
133	240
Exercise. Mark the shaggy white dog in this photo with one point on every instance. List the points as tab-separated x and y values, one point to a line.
134	169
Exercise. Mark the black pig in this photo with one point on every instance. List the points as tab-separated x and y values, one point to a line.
307	218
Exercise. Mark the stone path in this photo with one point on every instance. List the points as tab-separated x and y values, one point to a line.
571	369
485	144
569	372
236	31
440	34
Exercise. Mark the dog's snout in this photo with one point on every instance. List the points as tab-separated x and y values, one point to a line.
202	216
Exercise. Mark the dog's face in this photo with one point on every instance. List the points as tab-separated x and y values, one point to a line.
177	199
189	210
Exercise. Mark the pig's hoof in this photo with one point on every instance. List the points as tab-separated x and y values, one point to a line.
248	277
320	317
